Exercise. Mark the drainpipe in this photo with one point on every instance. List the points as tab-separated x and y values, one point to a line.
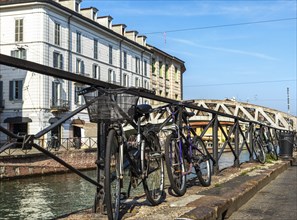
69	60
142	72
121	61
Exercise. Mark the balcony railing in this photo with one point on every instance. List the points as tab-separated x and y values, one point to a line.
60	105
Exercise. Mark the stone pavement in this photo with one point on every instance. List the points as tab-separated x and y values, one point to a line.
277	200
230	189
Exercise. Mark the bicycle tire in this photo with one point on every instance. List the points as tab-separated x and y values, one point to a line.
259	151
202	163
175	166
112	179
153	182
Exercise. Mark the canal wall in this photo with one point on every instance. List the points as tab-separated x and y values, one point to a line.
19	166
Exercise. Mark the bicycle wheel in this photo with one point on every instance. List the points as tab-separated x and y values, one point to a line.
272	151
259	152
112	179
202	163
175	166
153	182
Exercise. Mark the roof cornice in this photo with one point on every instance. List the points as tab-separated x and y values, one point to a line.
78	15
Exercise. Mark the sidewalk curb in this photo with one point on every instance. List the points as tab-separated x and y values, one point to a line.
211	207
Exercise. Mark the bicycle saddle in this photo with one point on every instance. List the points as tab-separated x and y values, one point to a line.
188	114
142	110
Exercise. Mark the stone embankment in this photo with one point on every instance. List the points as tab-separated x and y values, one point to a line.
37	164
230	189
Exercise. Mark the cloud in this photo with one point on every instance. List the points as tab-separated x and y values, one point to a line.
226	50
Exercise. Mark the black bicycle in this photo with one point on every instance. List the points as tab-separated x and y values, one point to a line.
140	153
263	146
185	152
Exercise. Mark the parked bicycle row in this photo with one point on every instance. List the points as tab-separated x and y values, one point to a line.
140	151
142	154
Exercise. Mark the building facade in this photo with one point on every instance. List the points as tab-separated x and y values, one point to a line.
166	75
61	34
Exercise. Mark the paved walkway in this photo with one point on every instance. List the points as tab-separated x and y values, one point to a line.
276	201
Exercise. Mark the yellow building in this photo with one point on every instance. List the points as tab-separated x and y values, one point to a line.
166	75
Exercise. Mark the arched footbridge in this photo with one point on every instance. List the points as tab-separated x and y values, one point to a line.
247	111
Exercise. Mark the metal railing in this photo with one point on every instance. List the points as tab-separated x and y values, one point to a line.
60	105
62	144
236	139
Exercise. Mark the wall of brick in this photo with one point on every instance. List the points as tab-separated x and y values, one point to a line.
39	164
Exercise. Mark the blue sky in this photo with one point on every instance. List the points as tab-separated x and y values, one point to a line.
253	63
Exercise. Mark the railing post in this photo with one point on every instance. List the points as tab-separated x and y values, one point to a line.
236	162
251	137
215	144
99	198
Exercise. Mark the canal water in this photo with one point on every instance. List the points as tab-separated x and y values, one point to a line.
51	196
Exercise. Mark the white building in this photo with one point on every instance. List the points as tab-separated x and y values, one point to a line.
60	34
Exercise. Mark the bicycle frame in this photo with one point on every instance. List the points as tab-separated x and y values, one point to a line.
176	117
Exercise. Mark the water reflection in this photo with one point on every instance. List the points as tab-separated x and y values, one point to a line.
45	197
52	196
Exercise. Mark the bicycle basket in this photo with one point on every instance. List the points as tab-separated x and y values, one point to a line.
109	105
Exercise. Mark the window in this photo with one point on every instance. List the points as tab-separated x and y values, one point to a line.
95	49
58	60
80	66
94	15
96	71
176	74
145	84
19	28
160	69
77	6
145	68
57	33
111	76
166	94
20	53
16	90
56	92
137	65
110	54
78	42
176	96
78	99
153	66
136	82
167	72
126	80
125	60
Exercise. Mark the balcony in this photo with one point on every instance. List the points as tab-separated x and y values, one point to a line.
2	105
60	105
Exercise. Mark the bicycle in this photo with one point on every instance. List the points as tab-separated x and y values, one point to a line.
140	154
269	148
257	147
185	152
53	143
263	146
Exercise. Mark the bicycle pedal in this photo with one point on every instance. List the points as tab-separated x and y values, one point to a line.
123	196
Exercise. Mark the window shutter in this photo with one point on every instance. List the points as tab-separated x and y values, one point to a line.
53	94
10	90
82	67
61	61
1	91
21	89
